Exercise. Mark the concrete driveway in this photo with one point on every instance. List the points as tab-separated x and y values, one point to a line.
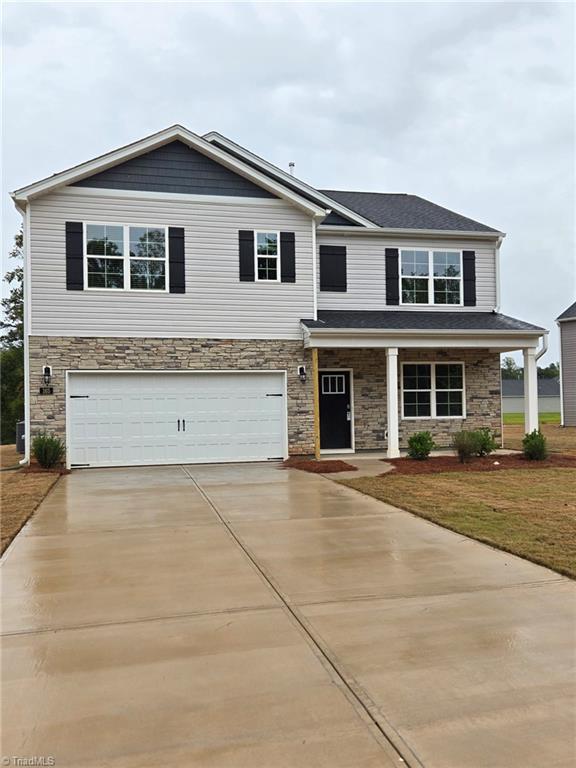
242	615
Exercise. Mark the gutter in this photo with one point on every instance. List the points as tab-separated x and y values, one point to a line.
449	233
26	329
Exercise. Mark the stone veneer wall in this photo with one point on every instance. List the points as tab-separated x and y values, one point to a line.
74	353
482	383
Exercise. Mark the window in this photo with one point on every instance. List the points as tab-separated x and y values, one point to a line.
432	390
430	277
106	243
124	257
148	258
267	252
333	384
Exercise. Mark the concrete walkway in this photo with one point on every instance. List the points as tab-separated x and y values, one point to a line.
244	615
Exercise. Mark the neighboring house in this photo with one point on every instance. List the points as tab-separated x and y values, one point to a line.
187	301
548	395
567	325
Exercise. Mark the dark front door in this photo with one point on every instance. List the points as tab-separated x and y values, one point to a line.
335	410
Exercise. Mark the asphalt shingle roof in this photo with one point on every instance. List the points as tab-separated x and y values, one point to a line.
569	313
417	321
546	388
402	211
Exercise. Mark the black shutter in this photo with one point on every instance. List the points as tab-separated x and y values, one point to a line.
74	256
392	277
287	257
176	259
469	276
246	252
333	268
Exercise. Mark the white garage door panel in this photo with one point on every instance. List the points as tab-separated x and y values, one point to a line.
127	419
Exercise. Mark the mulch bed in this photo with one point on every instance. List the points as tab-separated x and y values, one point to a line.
437	464
34	468
318	467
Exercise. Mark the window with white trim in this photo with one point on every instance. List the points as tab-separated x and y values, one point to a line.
267	252
333	384
125	257
433	390
430	277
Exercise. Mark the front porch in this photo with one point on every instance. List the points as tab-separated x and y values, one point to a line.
374	388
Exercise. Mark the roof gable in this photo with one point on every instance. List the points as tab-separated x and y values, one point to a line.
147	145
176	168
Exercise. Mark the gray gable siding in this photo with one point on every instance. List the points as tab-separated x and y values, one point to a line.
175	168
568	366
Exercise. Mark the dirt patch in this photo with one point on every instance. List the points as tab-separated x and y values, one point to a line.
318	467
22	492
439	464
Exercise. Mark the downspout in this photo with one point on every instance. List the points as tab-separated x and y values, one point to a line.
497	265
26	328
544	349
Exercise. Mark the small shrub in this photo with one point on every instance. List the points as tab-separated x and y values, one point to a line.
420	445
48	450
466	444
534	446
486	441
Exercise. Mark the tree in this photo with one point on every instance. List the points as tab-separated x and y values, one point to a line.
551	371
12	322
511	370
12	349
11	391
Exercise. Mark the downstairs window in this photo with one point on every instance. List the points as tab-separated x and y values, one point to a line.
433	391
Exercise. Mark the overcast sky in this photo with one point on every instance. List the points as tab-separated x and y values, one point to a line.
470	105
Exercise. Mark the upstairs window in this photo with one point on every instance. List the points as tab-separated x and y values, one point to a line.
433	390
267	255
125	257
105	256
148	258
431	277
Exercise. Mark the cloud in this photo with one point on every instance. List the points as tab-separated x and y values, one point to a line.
468	104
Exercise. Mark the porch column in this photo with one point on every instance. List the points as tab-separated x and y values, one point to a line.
392	401
530	390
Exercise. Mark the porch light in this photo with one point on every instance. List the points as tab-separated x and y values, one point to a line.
302	373
47	374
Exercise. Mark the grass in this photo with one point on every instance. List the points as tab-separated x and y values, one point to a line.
545	418
531	513
21	493
559	439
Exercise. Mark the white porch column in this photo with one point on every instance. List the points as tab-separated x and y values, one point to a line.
530	390
392	401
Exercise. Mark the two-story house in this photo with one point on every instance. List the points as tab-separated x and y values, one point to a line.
187	301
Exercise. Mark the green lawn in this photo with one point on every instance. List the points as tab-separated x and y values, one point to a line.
529	512
545	418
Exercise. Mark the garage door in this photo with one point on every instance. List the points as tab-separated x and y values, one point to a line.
125	419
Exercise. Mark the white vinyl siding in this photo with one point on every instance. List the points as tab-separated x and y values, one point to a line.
366	272
216	304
